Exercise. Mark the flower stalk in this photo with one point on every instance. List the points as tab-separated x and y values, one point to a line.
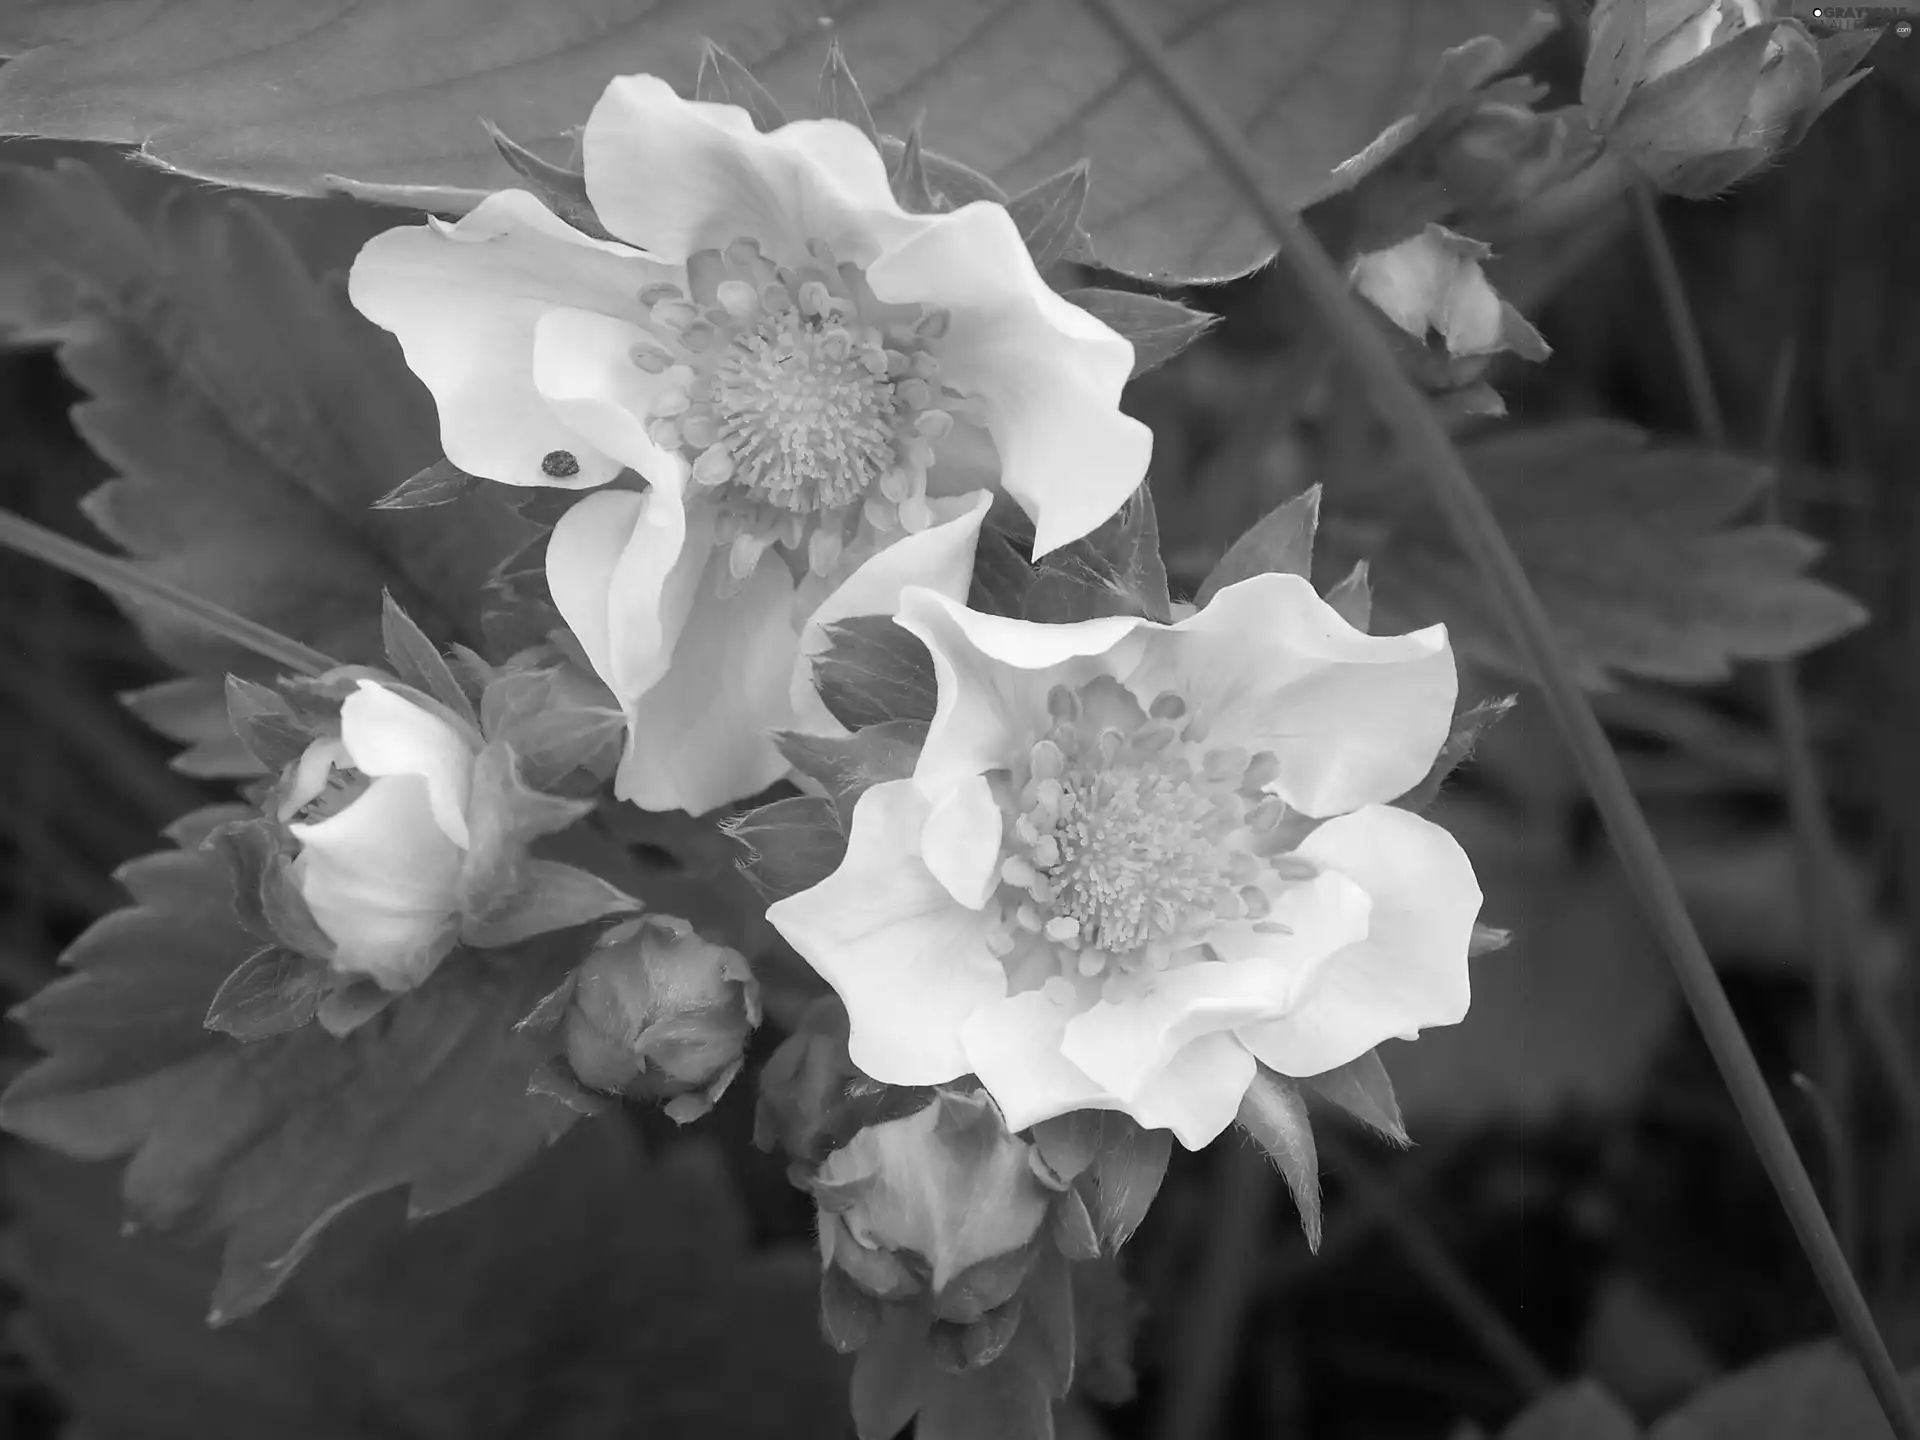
1417	428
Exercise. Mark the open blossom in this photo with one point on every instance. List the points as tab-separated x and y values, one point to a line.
820	389
380	868
1135	859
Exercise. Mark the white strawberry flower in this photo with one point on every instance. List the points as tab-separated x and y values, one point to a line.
821	391
1134	860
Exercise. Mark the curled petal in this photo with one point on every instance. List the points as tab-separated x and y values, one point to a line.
908	961
961	841
1198	1094
1411	969
622	569
386	734
1124	1043
677	176
583	367
1355	719
698	736
381	879
1013	1047
464	301
1049	374
939	557
993	674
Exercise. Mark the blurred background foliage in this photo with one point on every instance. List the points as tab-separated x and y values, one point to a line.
1581	1201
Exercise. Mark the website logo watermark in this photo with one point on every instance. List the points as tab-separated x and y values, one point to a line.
1899	18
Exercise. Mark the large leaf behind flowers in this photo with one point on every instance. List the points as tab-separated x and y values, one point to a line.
265	1143
252	415
280	94
1647	557
594	1297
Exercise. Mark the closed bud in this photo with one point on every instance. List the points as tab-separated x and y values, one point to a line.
1699	94
658	1013
945	1199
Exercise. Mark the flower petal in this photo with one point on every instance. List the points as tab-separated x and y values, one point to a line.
939	557
1411	969
464	300
1013	1047
908	962
961	842
583	368
993	674
1199	1092
1355	719
381	878
623	568
387	734
1050	374
1123	1044
698	736
675	176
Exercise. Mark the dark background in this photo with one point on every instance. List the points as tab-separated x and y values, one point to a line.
1581	1198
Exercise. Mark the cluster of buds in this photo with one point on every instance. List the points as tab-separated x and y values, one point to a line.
1696	95
940	1228
397	827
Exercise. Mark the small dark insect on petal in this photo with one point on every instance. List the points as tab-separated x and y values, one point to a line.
559	464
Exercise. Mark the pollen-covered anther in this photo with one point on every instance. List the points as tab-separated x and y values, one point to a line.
799	415
1127	841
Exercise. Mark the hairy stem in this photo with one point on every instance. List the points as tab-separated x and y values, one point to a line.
118	577
1426	441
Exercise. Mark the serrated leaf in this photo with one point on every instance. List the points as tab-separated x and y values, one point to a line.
417	661
908	174
1048	215
561	190
440	483
645	1313
791	845
551	896
723	80
1002	578
851	764
252	415
1580	1411
1486	939
1120	1183
228	108
1280	543
1468	727
1364	1090
873	672
1794	1394
840	97
1117	570
260	718
272	992
1276	1117
1352	598
1158	329
265	1144
1636	551
192	710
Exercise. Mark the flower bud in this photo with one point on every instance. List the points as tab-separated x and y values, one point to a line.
1432	284
945	1198
379	814
658	1013
1699	94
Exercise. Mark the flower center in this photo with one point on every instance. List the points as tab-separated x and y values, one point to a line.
1129	837
809	410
